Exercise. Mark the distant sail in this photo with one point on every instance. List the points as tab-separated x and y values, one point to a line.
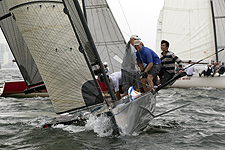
19	48
188	26
106	33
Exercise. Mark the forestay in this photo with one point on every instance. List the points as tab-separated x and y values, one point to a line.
106	34
19	48
188	26
48	33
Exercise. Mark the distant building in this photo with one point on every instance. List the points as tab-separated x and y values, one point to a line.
6	56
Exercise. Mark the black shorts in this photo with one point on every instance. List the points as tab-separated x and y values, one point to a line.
154	71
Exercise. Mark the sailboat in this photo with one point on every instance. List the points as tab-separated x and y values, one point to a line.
195	30
23	58
67	54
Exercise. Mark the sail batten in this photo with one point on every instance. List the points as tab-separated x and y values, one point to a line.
21	4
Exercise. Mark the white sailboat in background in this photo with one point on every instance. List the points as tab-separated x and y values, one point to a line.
189	27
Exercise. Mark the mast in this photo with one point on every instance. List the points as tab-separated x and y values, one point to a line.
214	29
84	10
94	48
89	37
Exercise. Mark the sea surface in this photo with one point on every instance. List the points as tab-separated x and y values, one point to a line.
199	126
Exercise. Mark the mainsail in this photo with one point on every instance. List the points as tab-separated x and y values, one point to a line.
188	26
48	33
19	48
106	34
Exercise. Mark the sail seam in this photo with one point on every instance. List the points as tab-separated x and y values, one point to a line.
220	17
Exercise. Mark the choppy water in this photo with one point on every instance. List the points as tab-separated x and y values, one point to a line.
200	125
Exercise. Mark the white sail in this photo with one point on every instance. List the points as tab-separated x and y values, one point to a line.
107	36
48	33
188	26
19	48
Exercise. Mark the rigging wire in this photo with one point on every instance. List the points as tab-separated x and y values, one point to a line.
125	17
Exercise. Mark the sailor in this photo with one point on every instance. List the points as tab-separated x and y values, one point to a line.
214	68
151	59
168	60
115	81
105	64
221	69
207	71
128	69
190	69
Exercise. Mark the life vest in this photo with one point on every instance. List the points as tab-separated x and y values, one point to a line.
208	72
221	70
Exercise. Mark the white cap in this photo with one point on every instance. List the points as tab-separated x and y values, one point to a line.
135	37
105	64
137	42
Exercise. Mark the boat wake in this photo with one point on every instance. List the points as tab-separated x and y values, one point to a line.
70	128
205	88
100	125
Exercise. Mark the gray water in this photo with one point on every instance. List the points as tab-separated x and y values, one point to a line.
197	126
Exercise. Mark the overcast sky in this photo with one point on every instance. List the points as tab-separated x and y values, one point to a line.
134	17
141	15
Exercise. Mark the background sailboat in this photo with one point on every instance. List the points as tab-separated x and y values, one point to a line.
189	27
22	55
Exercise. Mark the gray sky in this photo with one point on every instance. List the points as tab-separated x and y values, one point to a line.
141	15
134	17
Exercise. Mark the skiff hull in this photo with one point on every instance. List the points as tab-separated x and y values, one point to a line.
135	115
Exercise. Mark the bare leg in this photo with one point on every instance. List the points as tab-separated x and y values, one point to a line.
150	78
143	81
156	80
118	95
